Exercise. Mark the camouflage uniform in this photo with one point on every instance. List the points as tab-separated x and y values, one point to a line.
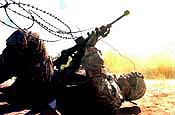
94	67
111	91
26	55
26	58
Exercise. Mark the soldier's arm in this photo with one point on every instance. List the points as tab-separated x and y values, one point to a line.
94	36
95	70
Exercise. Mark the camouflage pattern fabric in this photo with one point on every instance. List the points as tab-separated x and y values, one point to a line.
93	62
26	58
41	62
26	55
108	92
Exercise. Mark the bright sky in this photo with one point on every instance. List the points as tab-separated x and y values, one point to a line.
148	30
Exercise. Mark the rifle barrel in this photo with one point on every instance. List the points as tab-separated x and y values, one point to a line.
125	14
110	24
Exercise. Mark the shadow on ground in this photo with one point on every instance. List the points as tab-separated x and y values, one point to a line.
135	110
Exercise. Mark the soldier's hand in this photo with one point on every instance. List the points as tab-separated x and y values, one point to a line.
104	30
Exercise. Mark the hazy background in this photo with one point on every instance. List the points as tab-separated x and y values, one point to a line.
146	36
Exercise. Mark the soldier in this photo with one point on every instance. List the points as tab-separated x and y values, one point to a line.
111	91
34	71
26	58
102	93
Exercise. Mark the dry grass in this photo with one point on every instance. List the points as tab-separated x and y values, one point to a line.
155	67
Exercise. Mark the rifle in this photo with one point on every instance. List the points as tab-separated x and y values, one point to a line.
77	51
103	31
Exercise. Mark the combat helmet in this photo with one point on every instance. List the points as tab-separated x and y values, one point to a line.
17	38
132	85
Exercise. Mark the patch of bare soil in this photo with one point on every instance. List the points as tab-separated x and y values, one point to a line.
158	100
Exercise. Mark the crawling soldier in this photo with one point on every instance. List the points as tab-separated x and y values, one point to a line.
112	91
26	58
102	93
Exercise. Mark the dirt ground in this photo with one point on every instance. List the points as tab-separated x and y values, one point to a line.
158	100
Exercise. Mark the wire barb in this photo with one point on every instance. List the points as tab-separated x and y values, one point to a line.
29	9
